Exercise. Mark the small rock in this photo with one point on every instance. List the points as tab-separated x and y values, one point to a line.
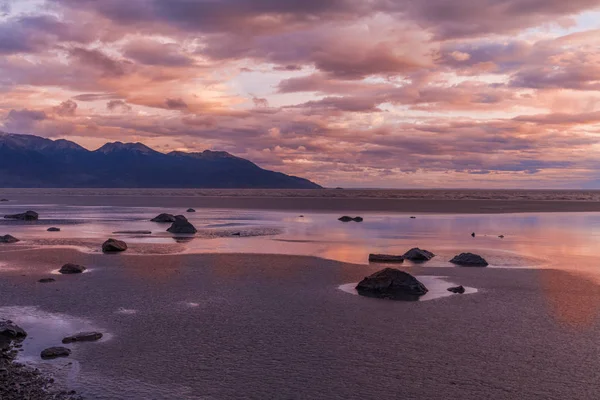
114	246
191	210
392	284
133	232
469	260
11	330
53	229
501	236
3	200
164	218
8	239
55	352
357	219
415	254
473	234
457	289
71	269
26	216
346	218
47	280
301	216
385	258
237	234
83	337
413	217
182	225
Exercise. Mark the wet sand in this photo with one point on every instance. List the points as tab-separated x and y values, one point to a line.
262	326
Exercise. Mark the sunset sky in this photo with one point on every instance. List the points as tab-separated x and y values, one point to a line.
353	93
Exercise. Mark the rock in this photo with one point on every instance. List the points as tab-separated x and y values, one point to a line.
469	260
392	284
8	239
68	269
190	210
413	217
501	236
12	331
357	219
182	225
164	218
53	229
3	200
473	234
46	280
83	337
346	218
301	216
55	352
416	254
133	232
385	258
114	246
236	234
26	216
457	289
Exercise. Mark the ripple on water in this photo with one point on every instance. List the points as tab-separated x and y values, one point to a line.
437	285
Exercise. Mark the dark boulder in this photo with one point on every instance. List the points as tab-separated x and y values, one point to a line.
501	236
457	289
68	269
385	258
46	280
473	234
26	216
53	229
469	260
418	255
114	246
182	225
392	284
55	352
8	239
12	331
346	218
83	337
357	219
191	210
164	218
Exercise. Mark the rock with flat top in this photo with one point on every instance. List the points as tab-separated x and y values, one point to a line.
469	260
457	289
12	331
114	246
347	218
418	255
391	284
69	269
55	352
53	229
191	210
385	258
182	225
8	239
164	218
83	337
26	216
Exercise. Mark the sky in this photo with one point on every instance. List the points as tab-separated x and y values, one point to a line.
352	93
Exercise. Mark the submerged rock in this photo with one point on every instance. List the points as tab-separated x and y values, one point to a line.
469	260
164	218
385	258
457	289
8	239
392	284
182	225
68	269
191	210
55	352
346	218
114	246
46	280
53	229
26	216
83	337
416	254
12	331
133	232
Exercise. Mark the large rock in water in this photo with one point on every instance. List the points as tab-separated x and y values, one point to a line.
182	225
68	269
469	260
26	216
83	337
385	258
114	246
8	239
164	218
392	284
55	352
12	331
416	254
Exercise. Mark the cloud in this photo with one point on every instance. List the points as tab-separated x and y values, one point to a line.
150	52
118	105
176	104
23	121
66	108
96	59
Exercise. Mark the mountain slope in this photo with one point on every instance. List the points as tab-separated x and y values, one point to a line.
31	161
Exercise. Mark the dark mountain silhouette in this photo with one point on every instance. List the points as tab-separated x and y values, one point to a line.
32	161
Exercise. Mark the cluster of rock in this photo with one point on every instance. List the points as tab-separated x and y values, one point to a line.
346	218
26	216
182	225
393	284
414	255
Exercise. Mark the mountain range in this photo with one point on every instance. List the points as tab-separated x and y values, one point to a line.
32	161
